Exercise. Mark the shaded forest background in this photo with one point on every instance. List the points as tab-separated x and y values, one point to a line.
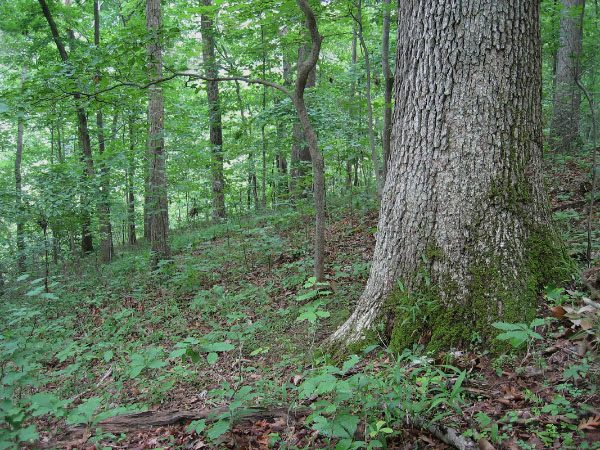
158	246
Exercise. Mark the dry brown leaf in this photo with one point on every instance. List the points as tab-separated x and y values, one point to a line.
558	311
484	444
590	424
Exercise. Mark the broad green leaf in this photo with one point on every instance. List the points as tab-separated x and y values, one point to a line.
310	294
135	371
44	403
28	434
195	356
537	322
37	291
350	363
219	428
509	326
344	426
156	364
177	353
197	426
211	358
84	412
217	347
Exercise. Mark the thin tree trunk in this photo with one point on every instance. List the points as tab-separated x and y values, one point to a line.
159	229
252	189
374	156
59	149
262	129
594	173
282	181
130	186
301	154
106	248
216	133
305	67
19	189
388	78
87	245
147	197
351	136
564	127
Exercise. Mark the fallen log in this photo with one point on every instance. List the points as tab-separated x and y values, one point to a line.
445	434
136	421
77	435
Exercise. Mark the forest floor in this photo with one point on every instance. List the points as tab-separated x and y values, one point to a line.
227	335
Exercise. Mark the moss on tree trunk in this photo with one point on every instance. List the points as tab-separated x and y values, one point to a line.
465	223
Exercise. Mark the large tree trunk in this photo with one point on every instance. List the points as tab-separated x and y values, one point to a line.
564	128
159	227
19	189
216	132
465	224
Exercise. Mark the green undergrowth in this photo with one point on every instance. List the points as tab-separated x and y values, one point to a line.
235	299
234	317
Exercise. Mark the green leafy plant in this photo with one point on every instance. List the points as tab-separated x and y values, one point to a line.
518	334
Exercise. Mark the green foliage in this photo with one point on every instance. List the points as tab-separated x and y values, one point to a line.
518	334
411	386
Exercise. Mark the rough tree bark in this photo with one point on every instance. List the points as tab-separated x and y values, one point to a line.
159	227
216	132
564	127
464	220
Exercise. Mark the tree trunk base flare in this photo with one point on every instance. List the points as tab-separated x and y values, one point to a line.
465	235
